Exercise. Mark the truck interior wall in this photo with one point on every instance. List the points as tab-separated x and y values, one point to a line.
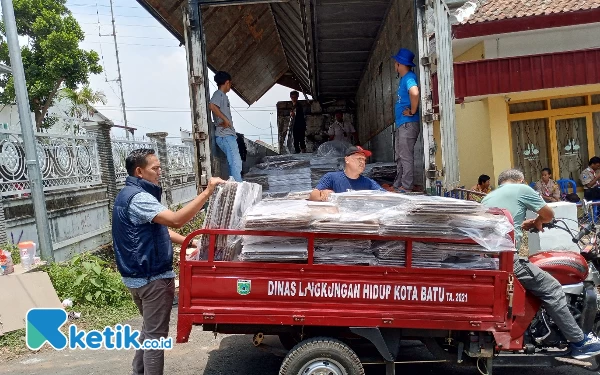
377	91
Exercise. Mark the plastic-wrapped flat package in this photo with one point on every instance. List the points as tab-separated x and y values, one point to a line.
386	171
390	253
277	251
346	223
344	256
226	208
253	240
454	219
339	243
278	215
339	251
457	256
286	157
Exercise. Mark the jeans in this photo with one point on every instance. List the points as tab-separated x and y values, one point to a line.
155	302
404	148
545	287
229	146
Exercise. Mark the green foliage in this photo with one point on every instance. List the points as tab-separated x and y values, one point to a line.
89	280
82	101
51	58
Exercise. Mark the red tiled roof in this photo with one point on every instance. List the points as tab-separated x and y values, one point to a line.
494	10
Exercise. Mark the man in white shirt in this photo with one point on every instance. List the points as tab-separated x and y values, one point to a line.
340	131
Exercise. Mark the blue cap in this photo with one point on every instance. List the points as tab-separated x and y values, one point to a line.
404	57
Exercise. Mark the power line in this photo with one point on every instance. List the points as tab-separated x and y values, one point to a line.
134	44
137	37
101	5
108	15
153	26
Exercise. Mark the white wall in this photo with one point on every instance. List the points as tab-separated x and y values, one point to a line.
543	41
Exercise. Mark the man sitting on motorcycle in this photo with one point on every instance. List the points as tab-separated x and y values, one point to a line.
516	197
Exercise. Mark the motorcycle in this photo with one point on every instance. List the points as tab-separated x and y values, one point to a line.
578	274
543	343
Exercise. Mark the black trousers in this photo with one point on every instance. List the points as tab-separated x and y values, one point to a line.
299	142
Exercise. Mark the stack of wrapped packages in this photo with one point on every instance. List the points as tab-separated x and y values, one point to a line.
378	213
226	208
296	173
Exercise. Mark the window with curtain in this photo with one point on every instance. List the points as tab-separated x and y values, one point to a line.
572	143
530	147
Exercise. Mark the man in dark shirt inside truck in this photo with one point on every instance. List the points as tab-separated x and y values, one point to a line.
348	179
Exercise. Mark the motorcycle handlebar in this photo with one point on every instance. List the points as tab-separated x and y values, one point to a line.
549	225
585	230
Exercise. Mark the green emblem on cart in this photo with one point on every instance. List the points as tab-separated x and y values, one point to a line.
243	287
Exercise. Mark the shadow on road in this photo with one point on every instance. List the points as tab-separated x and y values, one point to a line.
237	355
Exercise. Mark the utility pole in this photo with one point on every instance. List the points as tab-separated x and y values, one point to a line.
120	79
271	126
33	166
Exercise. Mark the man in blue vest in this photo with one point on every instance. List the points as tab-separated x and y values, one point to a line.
143	248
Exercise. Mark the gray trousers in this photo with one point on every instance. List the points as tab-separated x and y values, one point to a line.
545	287
404	148
155	301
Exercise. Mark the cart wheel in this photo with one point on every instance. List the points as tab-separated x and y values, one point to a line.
258	339
321	356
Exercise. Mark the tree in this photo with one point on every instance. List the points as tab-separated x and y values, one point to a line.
51	58
82	101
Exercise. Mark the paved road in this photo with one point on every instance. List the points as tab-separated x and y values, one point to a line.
225	355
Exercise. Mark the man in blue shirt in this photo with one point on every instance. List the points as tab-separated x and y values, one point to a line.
348	179
407	120
143	250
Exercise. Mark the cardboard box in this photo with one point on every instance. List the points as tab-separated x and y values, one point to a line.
21	292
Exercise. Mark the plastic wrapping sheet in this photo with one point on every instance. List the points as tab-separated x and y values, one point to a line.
368	201
333	149
278	215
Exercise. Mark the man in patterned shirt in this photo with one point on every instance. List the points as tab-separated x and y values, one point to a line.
143	248
590	178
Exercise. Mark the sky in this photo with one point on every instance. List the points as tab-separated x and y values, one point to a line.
154	74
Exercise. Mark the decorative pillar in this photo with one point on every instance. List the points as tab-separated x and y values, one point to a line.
161	143
101	131
3	235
